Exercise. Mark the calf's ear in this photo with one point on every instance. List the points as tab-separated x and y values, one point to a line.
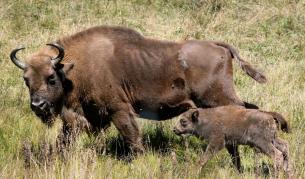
195	115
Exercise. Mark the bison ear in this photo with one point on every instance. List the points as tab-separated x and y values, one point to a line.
67	67
195	115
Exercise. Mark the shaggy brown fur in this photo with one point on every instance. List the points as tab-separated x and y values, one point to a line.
230	126
114	74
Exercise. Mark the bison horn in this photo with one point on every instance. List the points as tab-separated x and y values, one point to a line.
15	60
61	53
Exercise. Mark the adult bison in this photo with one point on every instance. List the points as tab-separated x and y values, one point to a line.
115	74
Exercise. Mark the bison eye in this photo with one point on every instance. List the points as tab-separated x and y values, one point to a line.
51	79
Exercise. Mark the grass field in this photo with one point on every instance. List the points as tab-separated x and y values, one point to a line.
268	33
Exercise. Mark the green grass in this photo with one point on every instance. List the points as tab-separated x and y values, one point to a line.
269	34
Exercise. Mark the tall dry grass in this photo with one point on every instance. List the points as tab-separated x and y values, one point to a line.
269	34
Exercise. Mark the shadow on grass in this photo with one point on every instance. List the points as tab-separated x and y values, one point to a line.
158	140
162	142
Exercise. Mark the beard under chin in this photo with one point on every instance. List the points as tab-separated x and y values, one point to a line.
47	117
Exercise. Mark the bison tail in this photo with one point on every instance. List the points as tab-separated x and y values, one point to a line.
245	66
252	72
280	120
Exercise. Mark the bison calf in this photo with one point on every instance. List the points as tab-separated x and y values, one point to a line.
230	126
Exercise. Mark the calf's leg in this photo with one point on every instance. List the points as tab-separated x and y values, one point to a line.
282	145
256	164
274	153
233	151
214	146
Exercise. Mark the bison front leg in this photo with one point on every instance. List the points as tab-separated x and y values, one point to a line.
73	124
124	121
65	138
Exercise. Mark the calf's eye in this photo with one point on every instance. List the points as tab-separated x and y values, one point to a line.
183	122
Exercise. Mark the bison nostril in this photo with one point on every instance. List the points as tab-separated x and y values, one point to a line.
39	104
